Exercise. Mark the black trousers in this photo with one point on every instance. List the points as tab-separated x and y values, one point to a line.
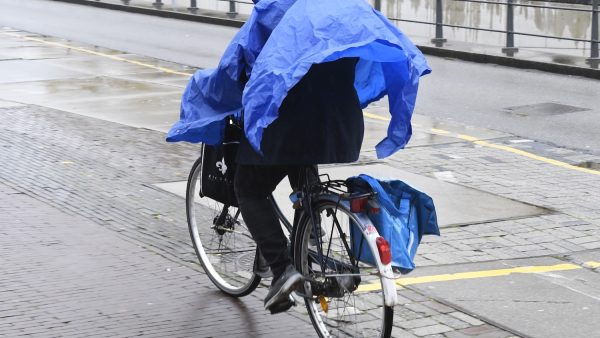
253	186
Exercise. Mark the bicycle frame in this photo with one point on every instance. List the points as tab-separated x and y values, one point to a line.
325	236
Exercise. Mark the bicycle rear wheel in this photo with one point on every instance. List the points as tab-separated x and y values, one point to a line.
221	239
343	297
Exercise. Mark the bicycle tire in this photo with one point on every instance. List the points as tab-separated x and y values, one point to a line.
338	317
226	252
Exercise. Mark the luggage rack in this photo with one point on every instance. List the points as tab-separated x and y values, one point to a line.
340	188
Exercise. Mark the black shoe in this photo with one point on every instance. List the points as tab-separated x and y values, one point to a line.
283	306
261	267
280	289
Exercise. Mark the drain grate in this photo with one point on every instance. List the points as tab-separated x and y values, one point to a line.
543	109
589	165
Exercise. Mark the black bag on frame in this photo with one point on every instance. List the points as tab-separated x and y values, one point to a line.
218	166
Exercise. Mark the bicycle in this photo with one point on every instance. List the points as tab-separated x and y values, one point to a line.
343	295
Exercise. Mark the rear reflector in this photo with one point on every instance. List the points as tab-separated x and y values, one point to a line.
385	254
359	205
373	207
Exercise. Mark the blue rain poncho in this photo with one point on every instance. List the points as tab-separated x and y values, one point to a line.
277	46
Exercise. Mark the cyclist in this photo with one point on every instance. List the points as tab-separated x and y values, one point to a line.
320	121
311	65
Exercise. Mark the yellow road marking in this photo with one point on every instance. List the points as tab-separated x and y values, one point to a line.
536	157
500	147
439	131
592	265
479	274
467	138
84	50
375	116
485	274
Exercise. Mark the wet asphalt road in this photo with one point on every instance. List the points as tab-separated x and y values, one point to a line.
557	109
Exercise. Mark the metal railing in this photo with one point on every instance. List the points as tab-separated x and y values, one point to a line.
510	49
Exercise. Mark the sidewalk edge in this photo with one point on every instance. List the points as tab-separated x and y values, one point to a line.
511	62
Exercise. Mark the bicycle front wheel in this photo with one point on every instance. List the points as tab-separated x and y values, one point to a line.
221	239
343	297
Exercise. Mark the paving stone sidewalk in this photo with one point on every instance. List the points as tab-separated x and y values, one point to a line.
91	248
65	276
572	197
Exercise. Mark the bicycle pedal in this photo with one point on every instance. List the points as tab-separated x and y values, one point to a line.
282	306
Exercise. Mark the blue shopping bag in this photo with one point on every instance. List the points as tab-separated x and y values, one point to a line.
405	215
